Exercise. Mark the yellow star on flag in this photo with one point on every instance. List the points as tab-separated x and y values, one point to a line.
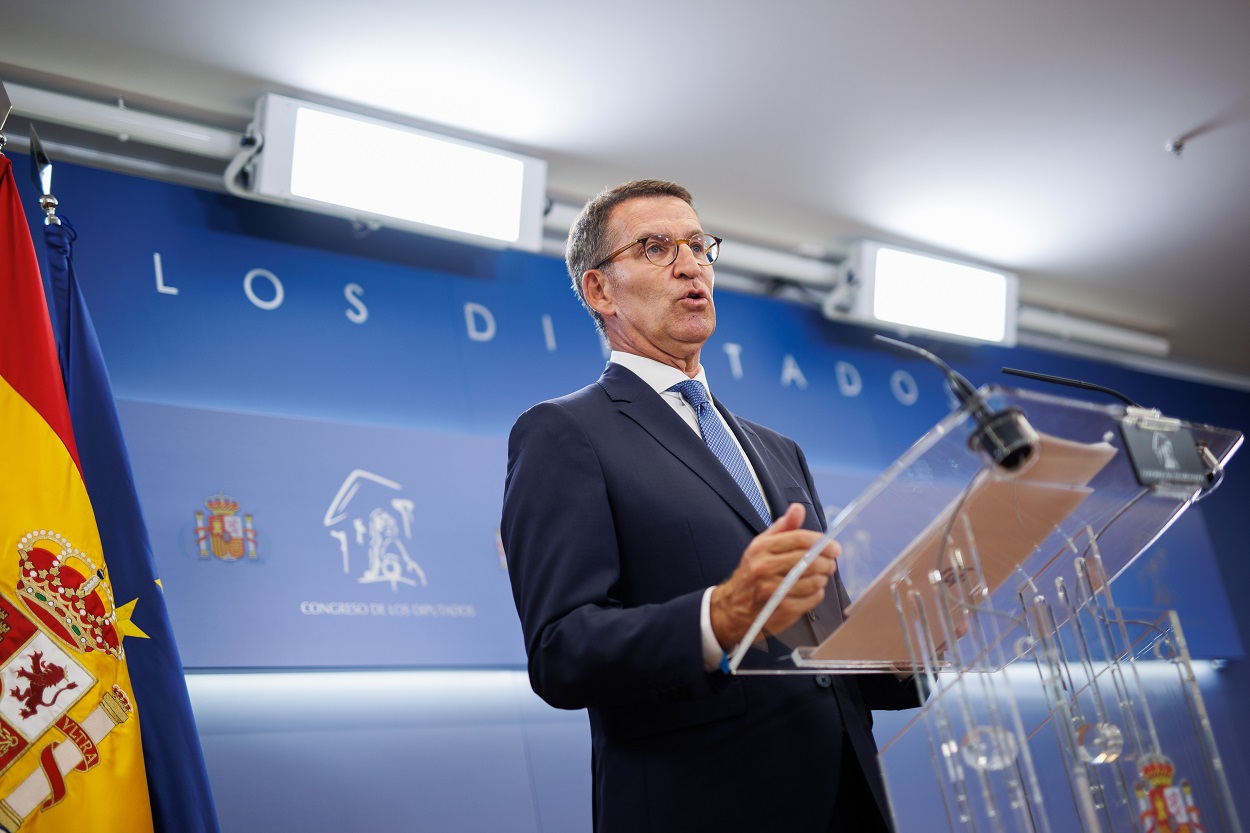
126	627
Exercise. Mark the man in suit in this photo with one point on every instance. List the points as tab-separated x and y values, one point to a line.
643	538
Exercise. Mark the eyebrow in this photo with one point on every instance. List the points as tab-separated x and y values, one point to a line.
666	234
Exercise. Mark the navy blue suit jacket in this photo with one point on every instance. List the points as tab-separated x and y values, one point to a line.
616	519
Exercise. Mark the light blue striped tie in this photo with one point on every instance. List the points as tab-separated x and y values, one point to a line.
721	444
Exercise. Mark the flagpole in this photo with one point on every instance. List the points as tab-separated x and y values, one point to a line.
41	173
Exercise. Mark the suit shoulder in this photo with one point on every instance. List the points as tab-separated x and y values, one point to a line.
572	406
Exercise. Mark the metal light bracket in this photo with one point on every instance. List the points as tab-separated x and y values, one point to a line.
6	107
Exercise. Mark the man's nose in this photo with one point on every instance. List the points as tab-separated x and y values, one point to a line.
688	264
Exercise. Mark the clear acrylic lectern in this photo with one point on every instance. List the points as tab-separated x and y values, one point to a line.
982	562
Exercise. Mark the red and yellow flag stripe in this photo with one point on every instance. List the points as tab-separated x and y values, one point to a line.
44	503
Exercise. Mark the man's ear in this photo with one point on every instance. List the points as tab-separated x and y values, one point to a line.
598	293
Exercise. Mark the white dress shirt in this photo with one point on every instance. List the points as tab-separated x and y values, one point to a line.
660	377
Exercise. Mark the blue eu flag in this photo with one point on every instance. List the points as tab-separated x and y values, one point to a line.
177	779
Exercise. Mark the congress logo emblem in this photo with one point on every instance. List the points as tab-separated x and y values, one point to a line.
372	522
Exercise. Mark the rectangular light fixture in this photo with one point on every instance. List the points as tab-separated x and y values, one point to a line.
909	291
329	160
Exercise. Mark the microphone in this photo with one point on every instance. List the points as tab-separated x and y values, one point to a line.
1074	383
1005	436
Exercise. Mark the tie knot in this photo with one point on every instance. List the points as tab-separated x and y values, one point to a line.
692	390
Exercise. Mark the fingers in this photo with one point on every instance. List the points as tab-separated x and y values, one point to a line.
791	519
764	565
781	535
778	548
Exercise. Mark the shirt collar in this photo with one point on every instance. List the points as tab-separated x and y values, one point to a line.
658	376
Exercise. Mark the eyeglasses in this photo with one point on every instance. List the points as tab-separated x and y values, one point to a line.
661	249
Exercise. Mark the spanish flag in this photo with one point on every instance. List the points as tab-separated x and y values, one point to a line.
70	746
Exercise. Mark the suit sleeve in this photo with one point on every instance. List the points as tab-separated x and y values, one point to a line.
584	647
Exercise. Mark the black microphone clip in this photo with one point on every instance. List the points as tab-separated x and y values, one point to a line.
1006	436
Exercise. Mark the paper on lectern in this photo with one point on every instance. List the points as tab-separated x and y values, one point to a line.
1003	517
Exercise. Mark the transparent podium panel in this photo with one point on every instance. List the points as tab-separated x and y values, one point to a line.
982	563
997	500
1098	727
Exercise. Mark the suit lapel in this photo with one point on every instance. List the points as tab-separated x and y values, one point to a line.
636	400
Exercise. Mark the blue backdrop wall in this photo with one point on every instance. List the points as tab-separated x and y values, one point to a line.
317	421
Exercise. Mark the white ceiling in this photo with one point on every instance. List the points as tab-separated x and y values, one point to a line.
1027	135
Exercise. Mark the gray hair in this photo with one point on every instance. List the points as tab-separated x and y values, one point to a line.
588	238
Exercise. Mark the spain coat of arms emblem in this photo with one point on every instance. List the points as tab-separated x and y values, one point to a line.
62	614
224	533
1164	807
